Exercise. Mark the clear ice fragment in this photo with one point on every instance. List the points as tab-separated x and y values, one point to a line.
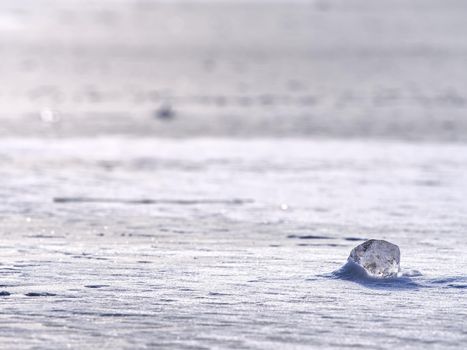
379	258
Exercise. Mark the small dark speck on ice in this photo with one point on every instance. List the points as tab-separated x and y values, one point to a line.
165	112
308	237
40	294
96	286
4	293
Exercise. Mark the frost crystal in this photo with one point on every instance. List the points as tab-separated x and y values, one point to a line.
379	258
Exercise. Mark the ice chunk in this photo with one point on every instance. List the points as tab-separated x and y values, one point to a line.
379	258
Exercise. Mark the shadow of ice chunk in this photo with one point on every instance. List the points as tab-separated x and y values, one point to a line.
355	273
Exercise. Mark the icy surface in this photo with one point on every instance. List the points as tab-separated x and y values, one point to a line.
226	247
378	257
137	242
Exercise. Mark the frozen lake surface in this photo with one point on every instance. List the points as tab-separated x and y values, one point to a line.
194	174
216	243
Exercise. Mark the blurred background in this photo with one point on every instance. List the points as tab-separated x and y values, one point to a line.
318	68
